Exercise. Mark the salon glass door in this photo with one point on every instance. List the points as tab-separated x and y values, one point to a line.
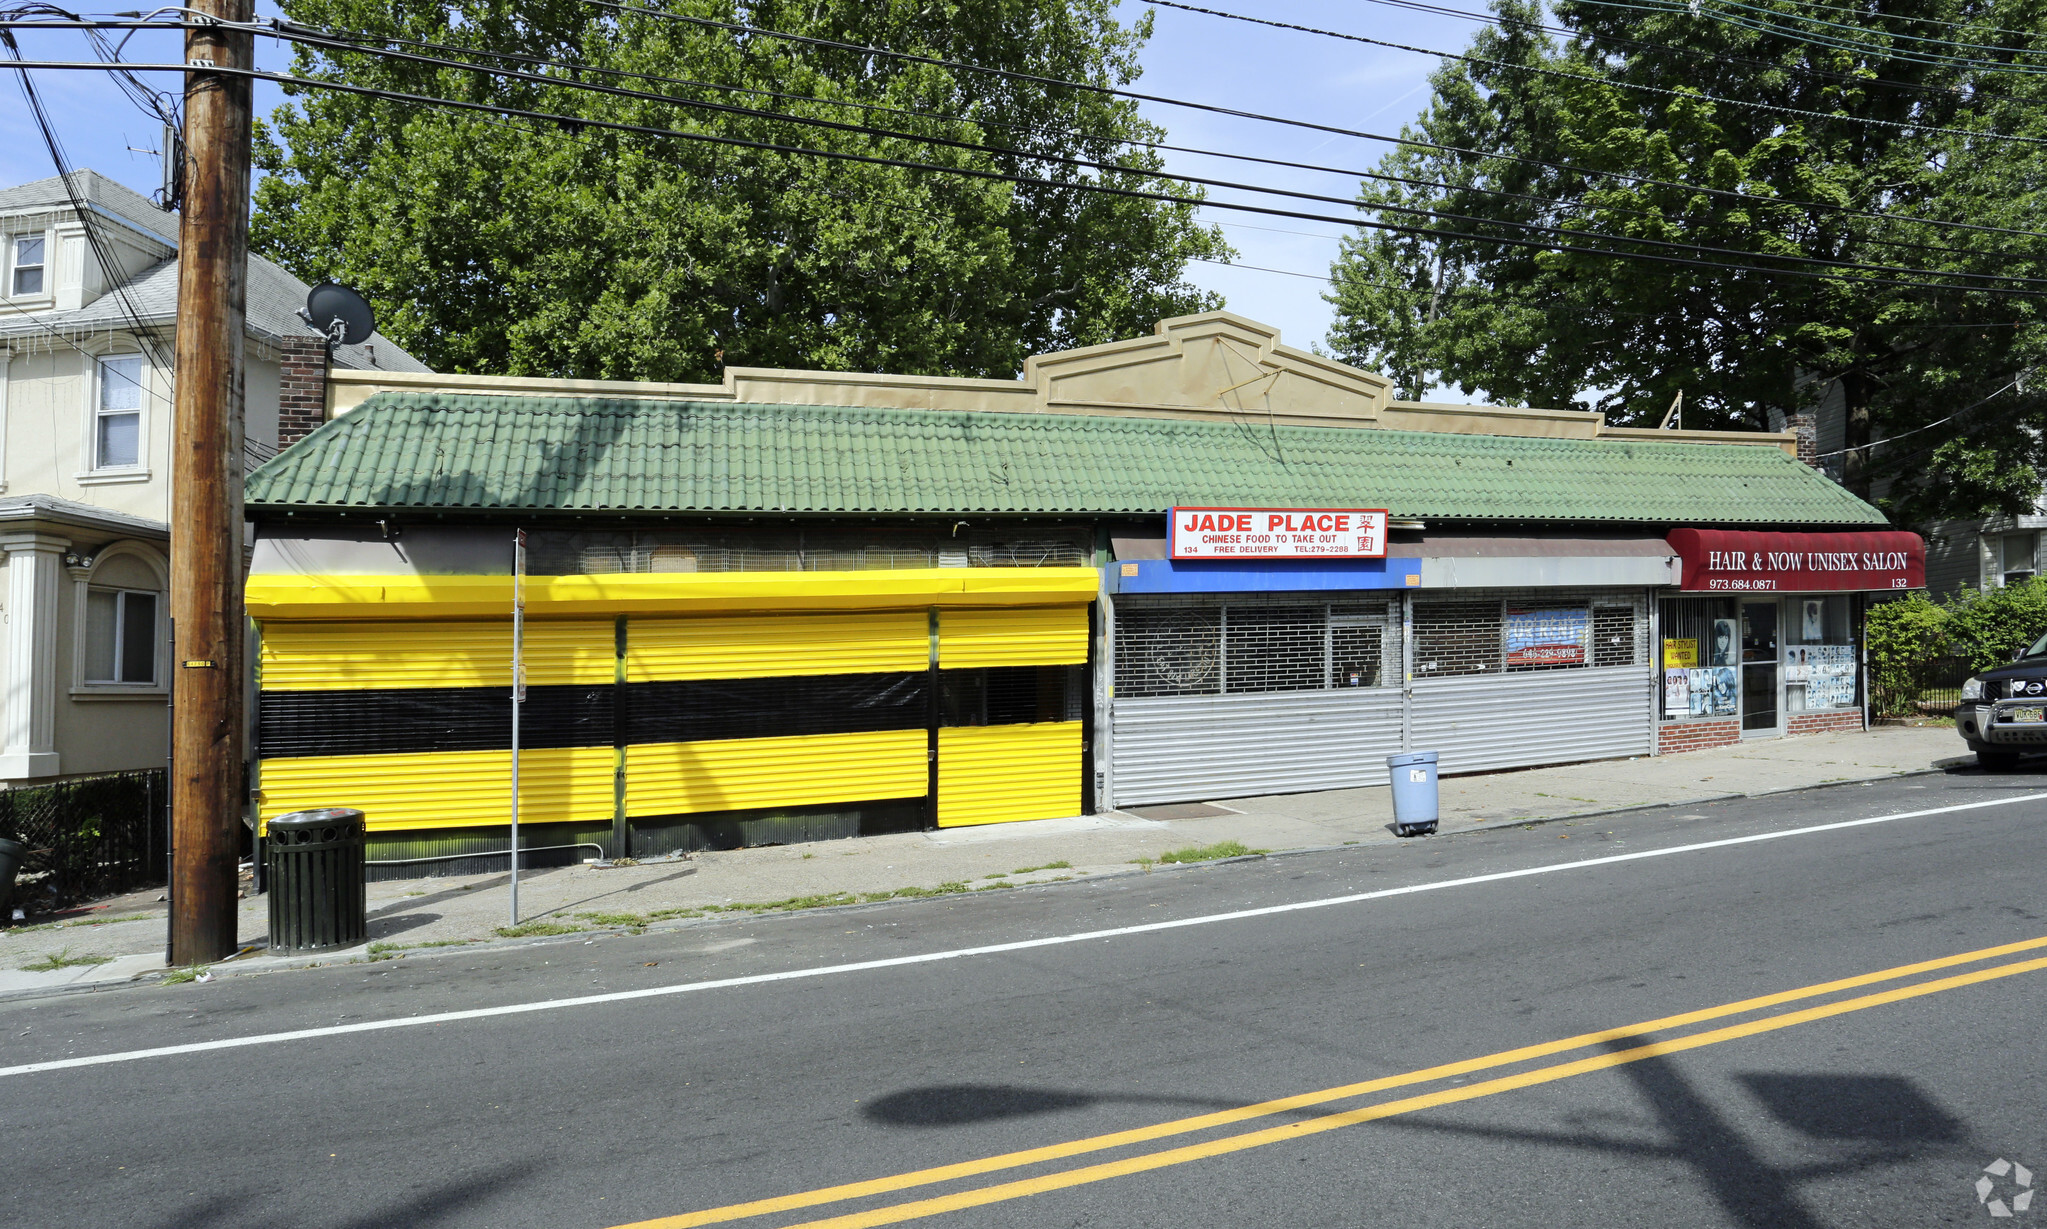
1760	689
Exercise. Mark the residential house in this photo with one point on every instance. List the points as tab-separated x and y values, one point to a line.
88	302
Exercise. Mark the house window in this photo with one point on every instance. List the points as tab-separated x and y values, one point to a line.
2018	558
117	424
28	267
120	636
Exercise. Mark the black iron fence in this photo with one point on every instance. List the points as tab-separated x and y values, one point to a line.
1929	688
87	837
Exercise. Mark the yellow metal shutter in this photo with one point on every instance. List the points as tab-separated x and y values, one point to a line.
1012	636
768	666
1001	773
344	674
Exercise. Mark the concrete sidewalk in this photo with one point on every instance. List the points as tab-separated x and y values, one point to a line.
122	940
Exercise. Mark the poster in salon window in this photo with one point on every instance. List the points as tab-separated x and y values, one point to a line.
1830	676
1677	692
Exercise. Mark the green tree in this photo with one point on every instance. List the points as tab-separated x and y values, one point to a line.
540	248
1545	118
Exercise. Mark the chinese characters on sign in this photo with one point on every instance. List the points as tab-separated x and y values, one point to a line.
1278	533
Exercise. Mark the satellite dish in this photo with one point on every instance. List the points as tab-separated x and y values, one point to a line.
340	313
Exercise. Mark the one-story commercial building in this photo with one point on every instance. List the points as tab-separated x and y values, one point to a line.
804	604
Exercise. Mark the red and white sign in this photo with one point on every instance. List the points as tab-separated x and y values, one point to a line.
1279	533
1733	561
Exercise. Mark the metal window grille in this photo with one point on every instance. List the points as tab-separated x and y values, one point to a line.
1275	648
1250	645
1169	651
1456	638
1613	636
1358	653
1514	631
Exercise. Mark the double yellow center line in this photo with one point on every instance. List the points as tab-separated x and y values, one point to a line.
1300	1129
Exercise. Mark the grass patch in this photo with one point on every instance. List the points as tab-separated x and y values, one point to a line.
529	930
997	875
631	921
63	958
990	887
1061	865
178	977
1144	861
1208	853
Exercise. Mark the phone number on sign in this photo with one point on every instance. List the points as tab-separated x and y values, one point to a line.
1724	583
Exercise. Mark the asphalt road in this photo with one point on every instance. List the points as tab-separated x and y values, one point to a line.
1878	1103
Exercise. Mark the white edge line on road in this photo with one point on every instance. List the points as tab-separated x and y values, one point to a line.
620	996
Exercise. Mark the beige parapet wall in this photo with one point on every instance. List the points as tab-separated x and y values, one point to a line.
1216	365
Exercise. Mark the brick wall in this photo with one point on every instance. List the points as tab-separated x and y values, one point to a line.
1821	723
1676	736
301	389
1806	424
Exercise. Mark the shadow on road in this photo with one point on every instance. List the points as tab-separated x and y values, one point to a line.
1874	1120
958	1105
424	1206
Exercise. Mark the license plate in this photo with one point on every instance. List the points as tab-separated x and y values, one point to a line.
2025	716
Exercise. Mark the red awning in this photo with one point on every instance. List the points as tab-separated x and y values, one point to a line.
1737	561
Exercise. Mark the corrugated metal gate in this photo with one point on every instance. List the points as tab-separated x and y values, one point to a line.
668	721
1263	693
1485	703
1217	699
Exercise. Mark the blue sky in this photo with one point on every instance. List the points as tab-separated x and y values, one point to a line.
1191	56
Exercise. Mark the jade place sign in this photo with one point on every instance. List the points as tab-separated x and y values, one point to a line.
1734	561
1278	533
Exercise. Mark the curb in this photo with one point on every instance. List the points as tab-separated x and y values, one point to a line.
349	957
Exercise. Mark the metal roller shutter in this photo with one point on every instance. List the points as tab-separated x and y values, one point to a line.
1518	720
1222	699
1174	749
1514	678
996	666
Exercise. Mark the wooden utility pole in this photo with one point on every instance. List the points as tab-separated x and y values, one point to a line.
206	489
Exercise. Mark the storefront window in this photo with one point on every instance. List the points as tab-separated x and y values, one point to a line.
1700	652
1237	647
1819	653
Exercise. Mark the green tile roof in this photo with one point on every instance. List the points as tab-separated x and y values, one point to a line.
418	450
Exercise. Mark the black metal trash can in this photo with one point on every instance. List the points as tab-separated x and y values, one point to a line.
315	872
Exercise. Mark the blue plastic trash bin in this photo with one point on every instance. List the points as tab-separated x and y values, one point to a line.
1414	792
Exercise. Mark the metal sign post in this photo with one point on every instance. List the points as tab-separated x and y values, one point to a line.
518	694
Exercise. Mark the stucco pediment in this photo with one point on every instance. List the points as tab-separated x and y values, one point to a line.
1217	362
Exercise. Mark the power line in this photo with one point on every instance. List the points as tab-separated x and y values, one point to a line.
1725	57
1692	95
1924	426
348	41
1406	141
95	237
301	36
1309	125
1774	27
1069	185
1078	186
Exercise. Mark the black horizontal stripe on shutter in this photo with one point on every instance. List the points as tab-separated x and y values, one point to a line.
696	710
302	723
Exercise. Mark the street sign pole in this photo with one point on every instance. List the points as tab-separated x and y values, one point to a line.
518	694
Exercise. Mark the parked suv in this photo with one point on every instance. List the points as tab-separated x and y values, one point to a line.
2004	711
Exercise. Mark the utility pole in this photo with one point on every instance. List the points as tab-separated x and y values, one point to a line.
206	487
